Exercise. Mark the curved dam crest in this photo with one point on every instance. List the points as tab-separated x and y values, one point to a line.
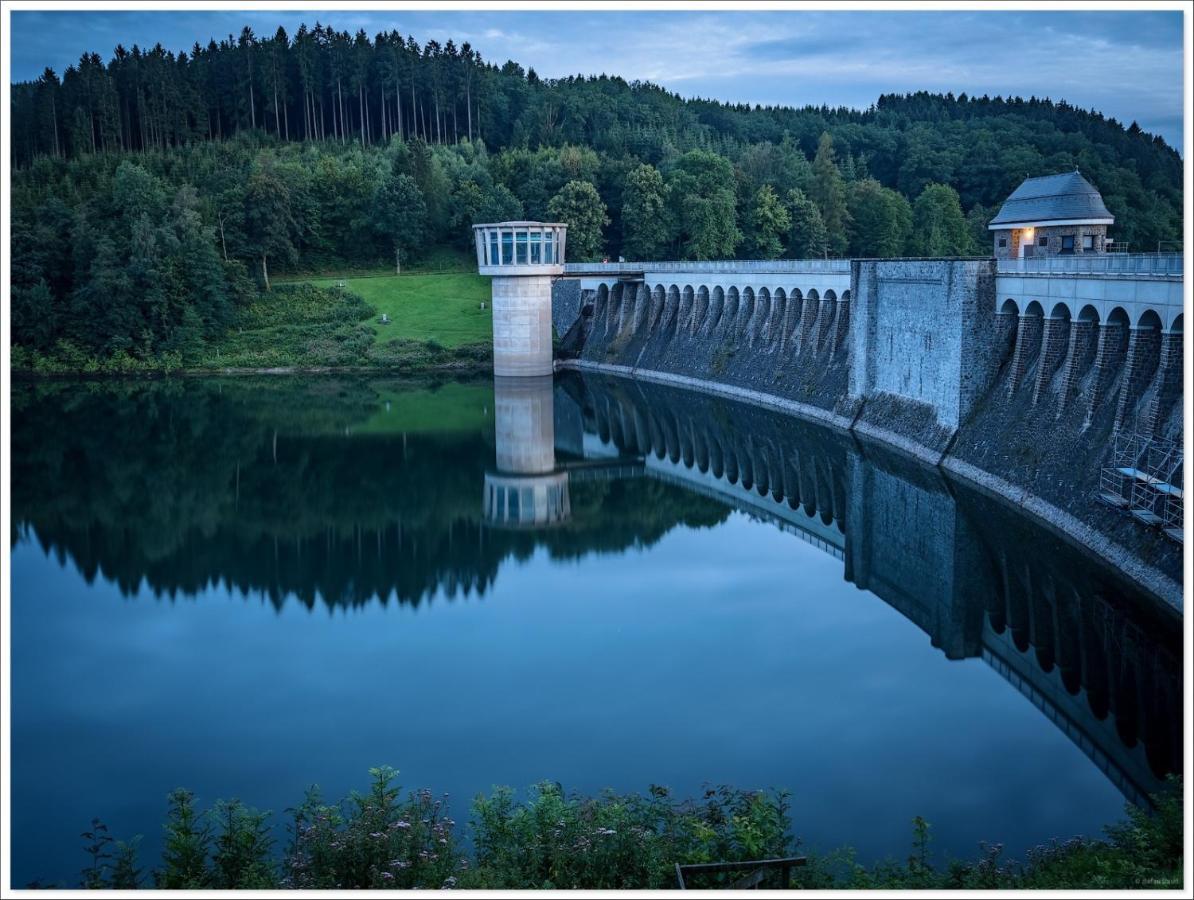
1021	394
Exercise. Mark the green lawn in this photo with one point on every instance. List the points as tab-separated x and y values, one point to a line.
445	308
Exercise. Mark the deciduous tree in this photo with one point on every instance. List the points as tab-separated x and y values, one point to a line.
702	206
644	214
579	206
769	224
938	226
806	236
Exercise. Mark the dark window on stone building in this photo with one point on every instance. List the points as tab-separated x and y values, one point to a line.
1067	243
1042	241
1088	242
1003	242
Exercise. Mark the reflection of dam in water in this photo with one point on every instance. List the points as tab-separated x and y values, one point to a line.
980	581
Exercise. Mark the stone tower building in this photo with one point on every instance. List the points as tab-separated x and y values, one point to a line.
1054	215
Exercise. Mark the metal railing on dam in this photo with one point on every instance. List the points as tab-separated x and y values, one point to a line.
730	266
1165	265
1170	265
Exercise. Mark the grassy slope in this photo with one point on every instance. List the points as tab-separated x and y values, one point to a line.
435	311
445	308
435	314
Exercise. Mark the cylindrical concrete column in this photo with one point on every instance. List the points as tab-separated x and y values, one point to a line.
522	325
523	258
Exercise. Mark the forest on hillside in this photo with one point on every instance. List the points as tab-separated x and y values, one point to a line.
155	193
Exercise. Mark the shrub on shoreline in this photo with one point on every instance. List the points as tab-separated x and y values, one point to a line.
378	839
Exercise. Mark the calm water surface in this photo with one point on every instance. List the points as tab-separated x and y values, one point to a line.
247	586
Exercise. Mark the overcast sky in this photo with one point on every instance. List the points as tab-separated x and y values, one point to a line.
1125	64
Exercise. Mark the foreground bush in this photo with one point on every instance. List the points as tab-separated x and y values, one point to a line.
552	840
613	841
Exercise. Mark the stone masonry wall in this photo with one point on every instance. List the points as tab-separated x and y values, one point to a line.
794	349
918	357
923	348
1053	244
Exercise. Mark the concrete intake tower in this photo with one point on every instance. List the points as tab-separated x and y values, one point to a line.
523	258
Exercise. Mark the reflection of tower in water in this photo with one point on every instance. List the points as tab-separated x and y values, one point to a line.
525	491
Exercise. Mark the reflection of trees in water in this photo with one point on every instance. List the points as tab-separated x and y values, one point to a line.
251	484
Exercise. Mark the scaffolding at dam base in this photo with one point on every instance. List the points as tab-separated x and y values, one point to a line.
1144	479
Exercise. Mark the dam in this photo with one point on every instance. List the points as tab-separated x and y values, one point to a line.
1018	374
1049	373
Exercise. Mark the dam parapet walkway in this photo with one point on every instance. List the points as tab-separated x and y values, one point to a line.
744	266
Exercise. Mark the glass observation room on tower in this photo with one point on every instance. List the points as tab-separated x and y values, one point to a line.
506	244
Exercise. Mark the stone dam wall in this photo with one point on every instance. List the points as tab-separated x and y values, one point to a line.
924	355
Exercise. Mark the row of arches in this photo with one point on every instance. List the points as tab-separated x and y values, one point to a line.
757	316
805	477
1145	318
1091	356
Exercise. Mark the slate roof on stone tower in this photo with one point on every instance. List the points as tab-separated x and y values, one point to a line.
1067	197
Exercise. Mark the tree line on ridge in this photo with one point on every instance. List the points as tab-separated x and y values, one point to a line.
156	193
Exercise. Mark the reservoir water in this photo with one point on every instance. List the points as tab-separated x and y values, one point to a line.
246	586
